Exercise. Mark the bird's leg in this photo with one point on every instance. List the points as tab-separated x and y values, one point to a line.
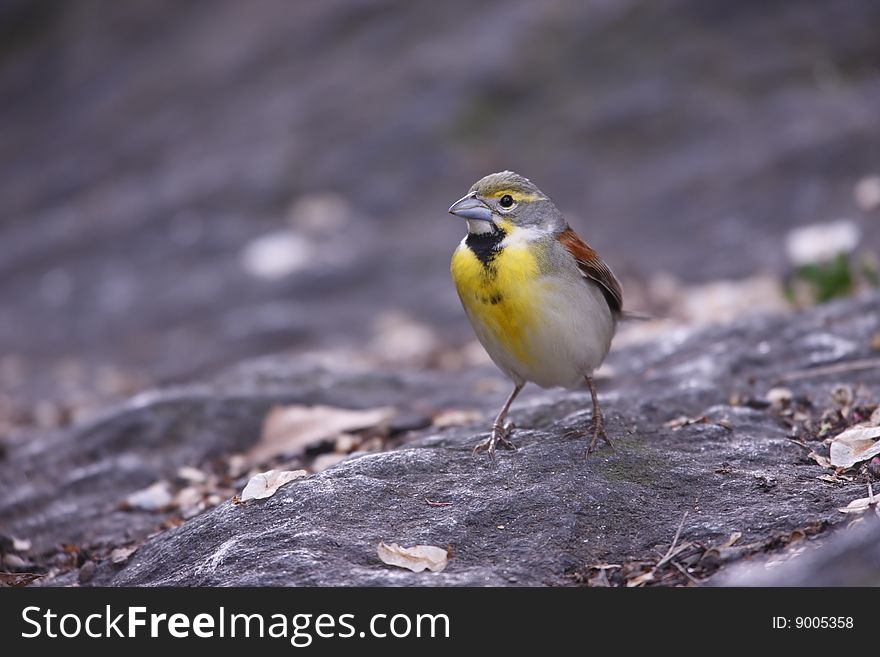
597	424
500	430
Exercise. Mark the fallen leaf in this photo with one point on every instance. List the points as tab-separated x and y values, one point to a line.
843	397
190	502
192	475
266	484
779	397
152	498
346	443
824	461
856	444
818	243
860	505
290	429
324	461
684	421
639	580
416	558
456	418
17	580
15	562
121	554
20	544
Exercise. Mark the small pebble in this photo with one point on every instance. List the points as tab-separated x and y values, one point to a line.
87	572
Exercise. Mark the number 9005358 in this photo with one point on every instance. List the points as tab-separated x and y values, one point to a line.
822	622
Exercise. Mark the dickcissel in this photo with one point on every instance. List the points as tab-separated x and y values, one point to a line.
542	302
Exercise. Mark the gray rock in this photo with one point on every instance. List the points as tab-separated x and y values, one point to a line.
536	516
849	557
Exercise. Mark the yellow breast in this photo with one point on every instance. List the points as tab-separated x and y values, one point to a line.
501	296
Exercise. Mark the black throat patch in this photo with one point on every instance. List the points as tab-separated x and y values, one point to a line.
485	245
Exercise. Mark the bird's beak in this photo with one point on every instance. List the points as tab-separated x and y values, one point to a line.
470	207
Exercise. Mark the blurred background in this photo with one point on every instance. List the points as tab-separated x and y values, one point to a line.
187	184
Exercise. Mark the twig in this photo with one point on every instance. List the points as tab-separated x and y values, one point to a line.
671	551
684	572
836	368
433	503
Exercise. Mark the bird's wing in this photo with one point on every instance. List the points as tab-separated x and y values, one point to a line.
593	268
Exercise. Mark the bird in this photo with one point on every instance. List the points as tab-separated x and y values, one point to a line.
541	301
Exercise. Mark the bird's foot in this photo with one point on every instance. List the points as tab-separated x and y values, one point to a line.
497	439
596	433
597	429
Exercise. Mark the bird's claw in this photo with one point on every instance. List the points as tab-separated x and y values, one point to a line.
597	429
497	439
596	433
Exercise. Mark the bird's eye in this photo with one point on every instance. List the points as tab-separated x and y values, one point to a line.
506	201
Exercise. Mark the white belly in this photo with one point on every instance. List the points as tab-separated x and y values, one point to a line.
567	338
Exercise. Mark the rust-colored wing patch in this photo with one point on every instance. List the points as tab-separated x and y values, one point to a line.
594	268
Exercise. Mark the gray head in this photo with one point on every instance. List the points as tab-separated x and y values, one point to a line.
506	200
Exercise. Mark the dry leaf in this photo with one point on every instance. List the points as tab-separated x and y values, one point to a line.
821	460
855	445
266	484
733	538
324	461
20	544
778	397
121	554
861	505
152	498
640	580
17	579
192	475
290	429
818	243
456	418
416	558
684	421
190	502
14	562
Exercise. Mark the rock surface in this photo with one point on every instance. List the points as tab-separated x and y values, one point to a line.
539	516
849	558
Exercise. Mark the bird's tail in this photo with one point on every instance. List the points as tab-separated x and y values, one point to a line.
628	316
